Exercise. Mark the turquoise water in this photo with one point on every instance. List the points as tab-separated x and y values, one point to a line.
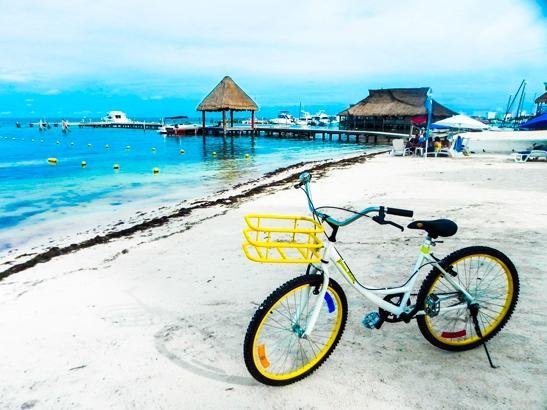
33	191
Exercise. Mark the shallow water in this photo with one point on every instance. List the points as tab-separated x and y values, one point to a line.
34	192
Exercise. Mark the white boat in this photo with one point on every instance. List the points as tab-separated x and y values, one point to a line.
256	121
503	141
320	119
178	125
116	117
304	120
283	118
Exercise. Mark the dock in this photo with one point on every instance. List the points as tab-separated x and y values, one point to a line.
356	136
140	125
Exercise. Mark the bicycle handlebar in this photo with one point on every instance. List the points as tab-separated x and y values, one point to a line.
400	212
304	180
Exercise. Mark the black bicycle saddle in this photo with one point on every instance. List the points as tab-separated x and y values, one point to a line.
436	228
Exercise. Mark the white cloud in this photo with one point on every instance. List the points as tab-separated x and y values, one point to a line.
13	76
104	40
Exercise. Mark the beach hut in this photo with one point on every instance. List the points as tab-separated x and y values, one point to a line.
393	109
227	96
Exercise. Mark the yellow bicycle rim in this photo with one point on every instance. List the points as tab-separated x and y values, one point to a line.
455	339
260	350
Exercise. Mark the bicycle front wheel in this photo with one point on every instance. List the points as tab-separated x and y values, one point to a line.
275	350
489	277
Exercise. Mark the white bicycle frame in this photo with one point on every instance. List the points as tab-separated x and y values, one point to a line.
331	258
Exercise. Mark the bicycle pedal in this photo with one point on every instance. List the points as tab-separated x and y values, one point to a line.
372	320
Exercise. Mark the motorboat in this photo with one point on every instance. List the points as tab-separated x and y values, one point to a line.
178	125
503	141
320	119
116	117
283	118
304	119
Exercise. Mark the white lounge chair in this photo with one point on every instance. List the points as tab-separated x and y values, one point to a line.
399	148
524	156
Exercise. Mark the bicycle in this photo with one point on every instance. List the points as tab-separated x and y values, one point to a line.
465	300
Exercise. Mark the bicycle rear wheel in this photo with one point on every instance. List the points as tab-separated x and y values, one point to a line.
489	277
274	350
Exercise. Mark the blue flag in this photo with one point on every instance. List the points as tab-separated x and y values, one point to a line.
429	112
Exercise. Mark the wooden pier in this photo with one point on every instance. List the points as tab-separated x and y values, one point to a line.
357	136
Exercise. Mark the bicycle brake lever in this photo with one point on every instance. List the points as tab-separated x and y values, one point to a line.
395	225
380	220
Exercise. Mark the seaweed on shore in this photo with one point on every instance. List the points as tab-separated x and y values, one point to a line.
318	167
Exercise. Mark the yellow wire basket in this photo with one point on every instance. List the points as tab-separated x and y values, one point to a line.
282	239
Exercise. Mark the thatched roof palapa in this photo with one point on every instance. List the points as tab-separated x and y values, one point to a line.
227	96
396	102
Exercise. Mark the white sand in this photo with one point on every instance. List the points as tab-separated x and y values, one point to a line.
157	320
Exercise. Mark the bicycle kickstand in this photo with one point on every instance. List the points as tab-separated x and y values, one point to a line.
474	309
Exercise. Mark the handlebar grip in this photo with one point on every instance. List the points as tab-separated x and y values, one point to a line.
400	212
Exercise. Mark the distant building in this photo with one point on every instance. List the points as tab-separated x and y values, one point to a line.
541	102
392	109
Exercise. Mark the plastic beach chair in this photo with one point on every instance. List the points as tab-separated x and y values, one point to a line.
399	148
524	156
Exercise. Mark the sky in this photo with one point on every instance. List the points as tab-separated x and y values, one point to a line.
82	58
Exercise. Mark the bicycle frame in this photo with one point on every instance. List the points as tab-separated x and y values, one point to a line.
331	258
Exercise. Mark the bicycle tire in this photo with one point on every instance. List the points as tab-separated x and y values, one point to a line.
490	277
274	351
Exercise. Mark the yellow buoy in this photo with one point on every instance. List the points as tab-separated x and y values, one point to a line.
89	145
182	151
128	147
57	142
153	149
52	161
156	170
247	156
116	166
214	154
84	164
107	146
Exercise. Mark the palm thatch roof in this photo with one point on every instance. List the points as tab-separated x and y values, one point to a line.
396	102
227	96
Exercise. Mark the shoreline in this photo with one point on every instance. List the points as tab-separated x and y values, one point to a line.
248	190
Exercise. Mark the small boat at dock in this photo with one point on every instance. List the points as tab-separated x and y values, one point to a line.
178	125
283	118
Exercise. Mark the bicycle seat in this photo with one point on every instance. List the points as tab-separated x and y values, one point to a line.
436	228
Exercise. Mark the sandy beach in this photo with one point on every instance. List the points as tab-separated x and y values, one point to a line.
156	317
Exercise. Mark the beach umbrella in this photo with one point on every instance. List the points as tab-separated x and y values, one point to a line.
460	121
